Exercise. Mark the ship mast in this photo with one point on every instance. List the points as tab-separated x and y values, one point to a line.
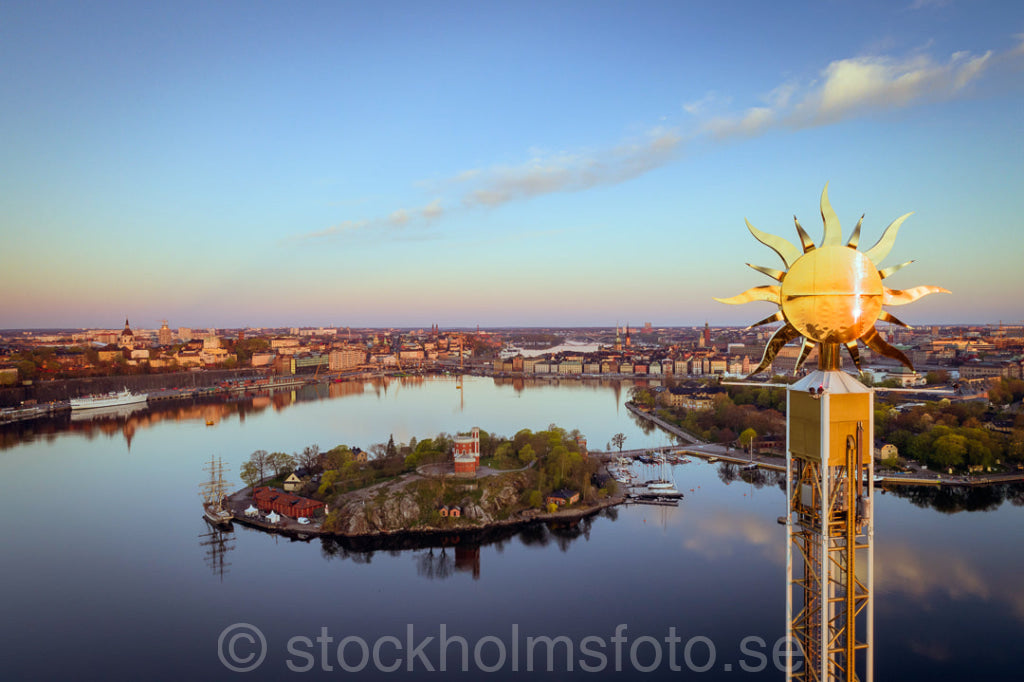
214	490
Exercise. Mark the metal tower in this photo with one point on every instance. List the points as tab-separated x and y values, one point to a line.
831	295
829	528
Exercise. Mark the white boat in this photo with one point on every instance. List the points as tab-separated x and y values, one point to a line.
620	473
116	412
661	487
112	399
509	352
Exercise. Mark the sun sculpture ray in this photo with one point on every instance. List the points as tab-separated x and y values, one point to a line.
831	293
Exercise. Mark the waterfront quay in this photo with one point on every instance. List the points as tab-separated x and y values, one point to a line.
777	462
163	387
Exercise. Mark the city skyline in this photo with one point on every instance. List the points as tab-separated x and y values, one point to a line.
504	165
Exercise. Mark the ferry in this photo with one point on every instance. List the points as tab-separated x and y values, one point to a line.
112	399
509	352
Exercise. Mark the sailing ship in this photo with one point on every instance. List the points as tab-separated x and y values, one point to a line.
214	493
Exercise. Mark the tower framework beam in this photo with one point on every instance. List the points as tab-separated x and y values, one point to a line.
829	529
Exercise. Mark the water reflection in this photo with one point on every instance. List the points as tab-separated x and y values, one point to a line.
444	563
435	566
714	537
950	500
217	543
950	588
729	473
440	556
212	410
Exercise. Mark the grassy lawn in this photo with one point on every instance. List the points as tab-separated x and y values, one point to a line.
501	464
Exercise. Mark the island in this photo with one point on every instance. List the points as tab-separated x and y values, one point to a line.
446	485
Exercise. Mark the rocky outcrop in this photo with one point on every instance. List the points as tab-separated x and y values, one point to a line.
408	504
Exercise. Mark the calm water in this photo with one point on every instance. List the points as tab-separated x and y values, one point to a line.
109	571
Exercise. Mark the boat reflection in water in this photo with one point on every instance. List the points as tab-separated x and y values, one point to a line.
100	413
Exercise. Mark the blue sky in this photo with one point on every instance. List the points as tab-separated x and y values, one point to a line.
550	163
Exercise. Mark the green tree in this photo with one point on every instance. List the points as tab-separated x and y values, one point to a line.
641	396
259	460
522	437
526	454
949	450
747	437
26	370
327	483
504	453
557	464
250	474
337	457
280	463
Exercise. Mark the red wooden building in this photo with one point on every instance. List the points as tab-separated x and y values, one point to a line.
269	499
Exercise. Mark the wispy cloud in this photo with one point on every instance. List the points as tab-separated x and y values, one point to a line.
339	228
1019	49
854	87
396	221
432	211
571	172
844	89
924	4
543	174
700	107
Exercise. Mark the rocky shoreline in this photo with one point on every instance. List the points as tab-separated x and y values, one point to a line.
467	529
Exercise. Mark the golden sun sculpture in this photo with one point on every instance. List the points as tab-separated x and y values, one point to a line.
831	294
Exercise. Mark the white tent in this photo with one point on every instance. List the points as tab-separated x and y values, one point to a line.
273	517
252	511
